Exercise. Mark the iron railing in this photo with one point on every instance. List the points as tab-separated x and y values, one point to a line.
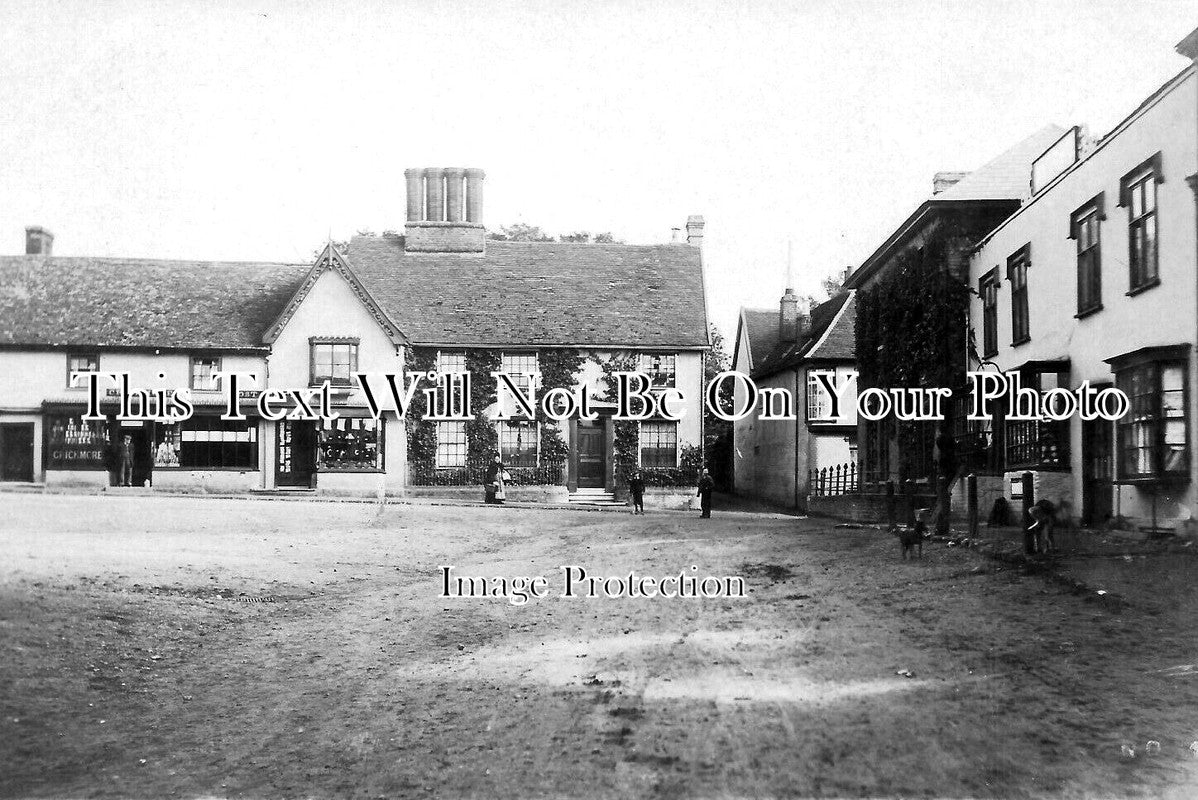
474	473
834	481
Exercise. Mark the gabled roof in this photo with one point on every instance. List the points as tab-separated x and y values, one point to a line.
831	336
759	329
1002	182
332	261
133	302
538	293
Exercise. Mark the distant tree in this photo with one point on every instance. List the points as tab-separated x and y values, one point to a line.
521	232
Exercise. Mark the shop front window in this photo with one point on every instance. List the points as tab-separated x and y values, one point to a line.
351	443
206	443
75	443
1153	435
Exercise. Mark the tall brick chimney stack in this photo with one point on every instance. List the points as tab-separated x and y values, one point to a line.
445	210
38	241
694	230
790	321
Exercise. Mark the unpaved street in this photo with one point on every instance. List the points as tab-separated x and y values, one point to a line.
194	647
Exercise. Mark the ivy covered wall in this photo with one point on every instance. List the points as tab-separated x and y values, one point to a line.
558	367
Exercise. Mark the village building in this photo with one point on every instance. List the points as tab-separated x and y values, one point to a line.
911	326
440	297
1093	279
787	460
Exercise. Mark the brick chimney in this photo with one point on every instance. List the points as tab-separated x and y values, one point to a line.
943	180
790	324
694	230
444	212
38	241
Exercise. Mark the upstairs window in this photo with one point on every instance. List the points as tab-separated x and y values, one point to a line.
516	365
449	362
660	367
1084	229
819	404
1017	267
334	361
203	373
988	289
1137	192
81	362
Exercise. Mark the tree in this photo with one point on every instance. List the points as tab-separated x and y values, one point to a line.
521	232
717	433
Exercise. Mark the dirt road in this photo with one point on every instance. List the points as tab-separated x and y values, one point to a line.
159	647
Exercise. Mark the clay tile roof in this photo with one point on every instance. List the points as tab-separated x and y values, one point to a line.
761	330
127	302
538	293
831	335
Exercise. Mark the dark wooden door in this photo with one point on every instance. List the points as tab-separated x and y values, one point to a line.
16	452
592	461
297	453
1098	471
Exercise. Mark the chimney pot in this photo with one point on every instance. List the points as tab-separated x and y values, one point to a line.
415	180
434	179
474	194
453	194
38	241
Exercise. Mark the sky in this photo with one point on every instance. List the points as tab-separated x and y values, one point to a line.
258	130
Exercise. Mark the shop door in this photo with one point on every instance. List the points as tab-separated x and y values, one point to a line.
143	451
16	452
297	454
1098	471
591	454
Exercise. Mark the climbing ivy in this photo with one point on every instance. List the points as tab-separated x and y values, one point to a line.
911	322
558	367
625	434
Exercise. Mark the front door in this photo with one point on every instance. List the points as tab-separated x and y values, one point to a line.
1098	471
592	462
16	452
297	453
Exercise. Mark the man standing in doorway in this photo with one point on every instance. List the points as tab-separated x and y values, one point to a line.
706	485
126	460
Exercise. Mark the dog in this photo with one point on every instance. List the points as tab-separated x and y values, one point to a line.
911	538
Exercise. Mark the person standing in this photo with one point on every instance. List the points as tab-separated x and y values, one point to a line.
636	488
127	460
494	487
706	486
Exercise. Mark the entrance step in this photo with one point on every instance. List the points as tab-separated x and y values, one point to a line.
21	486
593	497
284	491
